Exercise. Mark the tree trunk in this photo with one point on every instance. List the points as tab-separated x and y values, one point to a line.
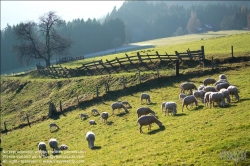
47	63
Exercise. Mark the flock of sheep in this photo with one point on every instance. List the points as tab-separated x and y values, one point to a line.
221	90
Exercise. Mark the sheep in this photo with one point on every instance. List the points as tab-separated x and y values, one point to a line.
199	94
234	91
94	111
90	137
187	86
209	89
53	143
92	122
216	97
148	120
105	116
42	148
201	87
125	103
208	81
144	111
222	76
206	98
222	85
170	107
226	94
53	125
85	116
146	97
181	97
189	100
63	147
220	81
118	105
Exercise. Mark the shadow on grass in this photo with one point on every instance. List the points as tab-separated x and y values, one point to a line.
109	123
54	131
1	149
96	148
181	114
162	128
122	114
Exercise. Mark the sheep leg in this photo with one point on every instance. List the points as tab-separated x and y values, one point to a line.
140	129
187	107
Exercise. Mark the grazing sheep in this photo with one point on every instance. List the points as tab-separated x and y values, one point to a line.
226	94
199	94
170	107
105	116
234	92
216	97
53	143
90	137
209	89
53	125
201	87
206	98
92	122
146	97
63	147
187	86
144	111
208	81
118	105
222	76
148	120
43	149
181	97
94	111
222	85
188	101
85	116
220	81
125	103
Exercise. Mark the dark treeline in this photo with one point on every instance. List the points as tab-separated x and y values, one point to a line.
137	21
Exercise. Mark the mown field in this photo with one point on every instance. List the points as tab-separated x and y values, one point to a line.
199	136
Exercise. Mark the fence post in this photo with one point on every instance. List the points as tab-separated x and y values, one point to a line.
5	127
139	76
123	82
106	86
158	74
77	100
232	50
203	53
97	93
177	65
60	106
27	117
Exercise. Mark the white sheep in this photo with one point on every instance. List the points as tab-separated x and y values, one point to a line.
226	94
53	143
85	116
126	103
220	81
144	111
199	94
206	98
148	120
182	96
53	125
63	147
234	92
208	81
145	96
43	149
222	76
170	107
216	97
90	137
118	105
201	87
94	111
187	86
105	116
222	85
188	101
92	122
209	89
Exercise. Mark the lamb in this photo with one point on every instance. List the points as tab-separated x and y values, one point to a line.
63	147
189	100
144	111
208	81
92	122
105	116
222	76
199	94
118	105
90	137
216	97
53	143
187	86
234	91
181	97
53	125
146	97
226	94
85	116
94	111
206	98
42	148
148	120
222	85
125	103
209	89
170	107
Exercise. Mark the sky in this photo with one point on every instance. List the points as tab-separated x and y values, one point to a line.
15	12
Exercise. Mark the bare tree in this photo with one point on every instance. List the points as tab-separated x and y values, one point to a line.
41	41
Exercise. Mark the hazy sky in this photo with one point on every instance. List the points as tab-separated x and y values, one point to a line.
14	12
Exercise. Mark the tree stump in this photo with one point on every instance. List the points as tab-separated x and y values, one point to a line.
52	109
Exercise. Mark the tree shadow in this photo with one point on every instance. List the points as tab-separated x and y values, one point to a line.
162	128
96	148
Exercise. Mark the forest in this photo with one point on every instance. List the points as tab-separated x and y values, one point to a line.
137	21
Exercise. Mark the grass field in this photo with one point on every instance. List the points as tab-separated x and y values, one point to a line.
199	136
